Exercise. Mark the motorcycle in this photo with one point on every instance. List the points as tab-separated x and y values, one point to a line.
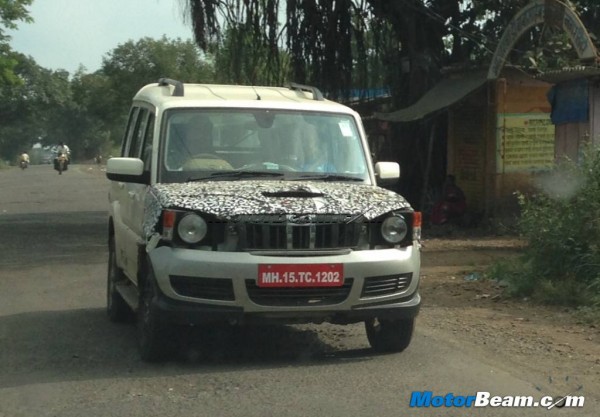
23	164
61	163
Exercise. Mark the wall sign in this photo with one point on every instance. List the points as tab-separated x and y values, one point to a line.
524	142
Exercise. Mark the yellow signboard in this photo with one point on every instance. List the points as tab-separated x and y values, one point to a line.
525	142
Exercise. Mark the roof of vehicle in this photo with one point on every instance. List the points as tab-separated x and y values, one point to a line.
172	93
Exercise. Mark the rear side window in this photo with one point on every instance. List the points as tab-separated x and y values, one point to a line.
138	134
146	147
129	131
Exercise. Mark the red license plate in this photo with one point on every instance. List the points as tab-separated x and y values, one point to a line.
300	275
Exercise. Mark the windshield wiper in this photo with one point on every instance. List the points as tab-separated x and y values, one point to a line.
237	174
329	177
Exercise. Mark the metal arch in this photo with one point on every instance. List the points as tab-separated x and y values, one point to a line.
551	12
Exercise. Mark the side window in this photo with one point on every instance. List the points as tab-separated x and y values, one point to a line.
146	155
139	131
131	123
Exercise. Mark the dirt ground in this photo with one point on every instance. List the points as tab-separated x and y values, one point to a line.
457	297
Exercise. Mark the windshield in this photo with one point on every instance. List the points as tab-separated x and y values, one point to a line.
228	144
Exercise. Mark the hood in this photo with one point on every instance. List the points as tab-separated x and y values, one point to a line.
229	199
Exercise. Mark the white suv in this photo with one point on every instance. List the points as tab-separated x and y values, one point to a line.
242	204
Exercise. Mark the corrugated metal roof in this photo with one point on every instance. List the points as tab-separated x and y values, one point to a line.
568	74
441	96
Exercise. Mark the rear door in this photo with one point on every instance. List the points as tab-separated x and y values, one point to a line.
127	199
119	200
139	146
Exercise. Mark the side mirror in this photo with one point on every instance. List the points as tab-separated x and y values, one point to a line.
387	172
126	170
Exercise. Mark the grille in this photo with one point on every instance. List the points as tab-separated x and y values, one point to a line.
384	285
309	232
208	288
294	297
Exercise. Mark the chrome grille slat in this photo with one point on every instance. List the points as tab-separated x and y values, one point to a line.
277	233
385	285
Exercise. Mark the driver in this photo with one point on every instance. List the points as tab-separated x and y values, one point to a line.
196	136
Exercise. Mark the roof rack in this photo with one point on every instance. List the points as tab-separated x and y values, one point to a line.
317	95
178	92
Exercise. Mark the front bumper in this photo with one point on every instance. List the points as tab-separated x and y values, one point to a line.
201	286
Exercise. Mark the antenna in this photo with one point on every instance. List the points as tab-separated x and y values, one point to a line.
257	95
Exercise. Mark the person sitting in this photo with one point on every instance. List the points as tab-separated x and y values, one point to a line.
24	157
62	159
64	150
452	204
194	143
314	158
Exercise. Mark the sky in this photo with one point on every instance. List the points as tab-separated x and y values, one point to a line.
68	33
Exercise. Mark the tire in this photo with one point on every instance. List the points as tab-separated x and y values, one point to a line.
389	335
117	309
151	331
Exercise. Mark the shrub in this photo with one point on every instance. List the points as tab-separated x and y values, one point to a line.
561	264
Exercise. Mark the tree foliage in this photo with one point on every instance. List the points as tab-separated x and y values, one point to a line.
134	64
344	44
88	111
28	108
11	11
338	45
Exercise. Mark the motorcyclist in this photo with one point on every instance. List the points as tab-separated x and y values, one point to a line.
64	150
24	159
63	154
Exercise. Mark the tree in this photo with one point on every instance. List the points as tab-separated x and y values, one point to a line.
93	117
335	45
134	64
11	11
29	109
241	61
338	44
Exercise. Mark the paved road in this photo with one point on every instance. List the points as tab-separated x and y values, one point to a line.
59	355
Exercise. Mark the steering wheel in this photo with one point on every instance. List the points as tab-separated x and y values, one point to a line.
265	165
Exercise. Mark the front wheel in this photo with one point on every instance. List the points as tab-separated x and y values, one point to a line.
152	337
389	335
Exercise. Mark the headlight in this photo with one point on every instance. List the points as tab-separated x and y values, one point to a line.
192	228
394	229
